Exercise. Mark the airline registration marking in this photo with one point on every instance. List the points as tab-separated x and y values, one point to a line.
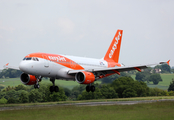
114	47
58	58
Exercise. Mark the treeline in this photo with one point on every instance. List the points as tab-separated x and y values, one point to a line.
122	87
10	73
147	76
23	94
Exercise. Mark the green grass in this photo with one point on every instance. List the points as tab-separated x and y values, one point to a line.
146	111
167	78
16	81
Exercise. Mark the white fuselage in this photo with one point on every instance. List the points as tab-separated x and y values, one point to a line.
52	67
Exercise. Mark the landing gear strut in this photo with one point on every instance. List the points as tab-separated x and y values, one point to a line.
53	88
90	88
39	78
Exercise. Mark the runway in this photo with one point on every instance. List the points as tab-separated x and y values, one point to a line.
86	104
117	102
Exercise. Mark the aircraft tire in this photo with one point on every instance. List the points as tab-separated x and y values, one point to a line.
51	89
92	88
87	88
56	89
36	86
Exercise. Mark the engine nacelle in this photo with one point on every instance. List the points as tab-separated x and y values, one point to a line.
28	79
85	77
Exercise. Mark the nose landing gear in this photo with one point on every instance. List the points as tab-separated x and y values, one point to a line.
39	78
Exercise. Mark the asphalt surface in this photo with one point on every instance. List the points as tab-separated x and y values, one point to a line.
86	104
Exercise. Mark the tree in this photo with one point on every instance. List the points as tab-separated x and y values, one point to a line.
171	86
143	76
156	92
139	76
165	68
127	87
8	88
10	94
67	92
3	101
23	97
12	100
57	96
90	95
108	92
11	73
35	96
155	78
129	92
111	78
76	91
20	87
2	94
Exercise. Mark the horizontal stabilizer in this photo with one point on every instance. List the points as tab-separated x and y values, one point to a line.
6	66
165	62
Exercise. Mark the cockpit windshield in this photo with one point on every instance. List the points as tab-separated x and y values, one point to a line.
31	58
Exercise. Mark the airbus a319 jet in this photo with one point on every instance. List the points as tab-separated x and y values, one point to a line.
84	70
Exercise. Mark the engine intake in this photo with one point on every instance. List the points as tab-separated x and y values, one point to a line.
85	77
27	79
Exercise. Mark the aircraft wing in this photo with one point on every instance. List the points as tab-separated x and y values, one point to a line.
117	69
6	66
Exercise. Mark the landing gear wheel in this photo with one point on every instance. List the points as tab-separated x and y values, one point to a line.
39	78
36	86
51	89
87	88
92	88
56	89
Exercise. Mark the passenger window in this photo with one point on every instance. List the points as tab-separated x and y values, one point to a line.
24	59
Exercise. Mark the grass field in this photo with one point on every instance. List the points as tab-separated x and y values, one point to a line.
146	111
167	78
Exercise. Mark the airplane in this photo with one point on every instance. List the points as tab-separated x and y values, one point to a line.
84	70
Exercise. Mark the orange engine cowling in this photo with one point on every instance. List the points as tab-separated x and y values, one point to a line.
85	77
28	79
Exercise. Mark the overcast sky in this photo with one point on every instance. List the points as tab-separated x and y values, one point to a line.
86	28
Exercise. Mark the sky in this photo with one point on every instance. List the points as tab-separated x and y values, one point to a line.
86	28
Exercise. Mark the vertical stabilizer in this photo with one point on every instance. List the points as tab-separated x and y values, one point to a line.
113	52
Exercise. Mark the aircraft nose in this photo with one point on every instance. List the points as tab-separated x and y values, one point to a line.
23	66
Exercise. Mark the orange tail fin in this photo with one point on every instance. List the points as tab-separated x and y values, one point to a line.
113	52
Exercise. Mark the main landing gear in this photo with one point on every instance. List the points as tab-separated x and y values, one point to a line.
90	88
53	88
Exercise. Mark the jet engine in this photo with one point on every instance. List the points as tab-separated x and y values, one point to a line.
85	77
27	79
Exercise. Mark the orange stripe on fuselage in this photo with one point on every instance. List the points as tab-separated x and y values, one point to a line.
59	59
